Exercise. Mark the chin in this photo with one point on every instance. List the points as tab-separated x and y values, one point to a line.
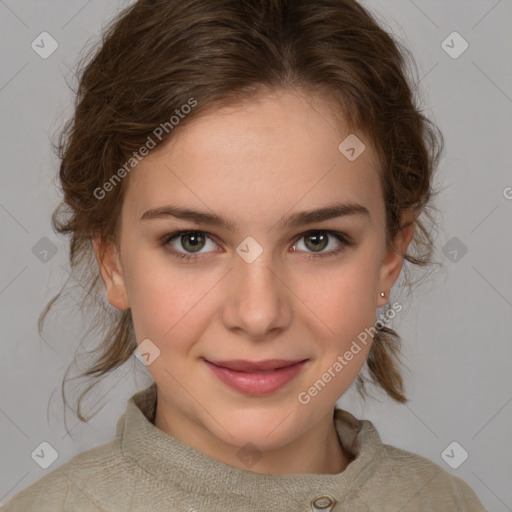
264	430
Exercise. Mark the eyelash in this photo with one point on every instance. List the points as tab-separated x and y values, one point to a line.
341	237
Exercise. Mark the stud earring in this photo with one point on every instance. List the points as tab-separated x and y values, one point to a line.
382	294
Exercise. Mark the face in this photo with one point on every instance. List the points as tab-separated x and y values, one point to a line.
266	284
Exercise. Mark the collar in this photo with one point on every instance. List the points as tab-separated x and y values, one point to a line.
175	463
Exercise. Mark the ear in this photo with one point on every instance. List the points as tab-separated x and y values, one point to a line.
107	256
394	257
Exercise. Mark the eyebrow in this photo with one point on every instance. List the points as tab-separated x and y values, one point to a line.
331	211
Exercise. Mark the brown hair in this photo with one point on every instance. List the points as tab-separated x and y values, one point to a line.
157	55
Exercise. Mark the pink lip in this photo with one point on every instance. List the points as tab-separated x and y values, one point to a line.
258	378
256	366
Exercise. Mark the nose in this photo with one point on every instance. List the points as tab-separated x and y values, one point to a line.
257	302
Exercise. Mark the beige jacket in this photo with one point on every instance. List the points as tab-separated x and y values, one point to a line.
143	469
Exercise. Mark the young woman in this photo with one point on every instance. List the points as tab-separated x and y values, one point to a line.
244	180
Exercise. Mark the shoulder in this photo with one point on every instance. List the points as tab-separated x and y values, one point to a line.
83	481
386	478
417	483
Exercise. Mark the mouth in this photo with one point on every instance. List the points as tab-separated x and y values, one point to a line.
256	377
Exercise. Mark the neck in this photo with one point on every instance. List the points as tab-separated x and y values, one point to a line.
317	451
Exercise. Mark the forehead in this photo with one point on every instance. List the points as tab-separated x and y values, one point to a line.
264	156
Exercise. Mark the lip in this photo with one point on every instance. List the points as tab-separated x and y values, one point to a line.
256	366
256	378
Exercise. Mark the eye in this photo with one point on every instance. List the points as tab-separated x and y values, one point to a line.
318	240
191	241
188	245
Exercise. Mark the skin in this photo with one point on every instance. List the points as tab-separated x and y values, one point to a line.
254	163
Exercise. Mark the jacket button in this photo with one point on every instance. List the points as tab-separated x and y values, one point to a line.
323	503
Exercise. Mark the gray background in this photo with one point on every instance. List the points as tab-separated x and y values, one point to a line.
455	329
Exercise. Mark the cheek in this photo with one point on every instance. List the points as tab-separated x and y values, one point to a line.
342	302
342	330
168	303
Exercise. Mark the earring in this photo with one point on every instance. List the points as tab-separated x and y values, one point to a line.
383	294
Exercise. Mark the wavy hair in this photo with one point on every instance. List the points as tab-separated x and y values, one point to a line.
156	55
